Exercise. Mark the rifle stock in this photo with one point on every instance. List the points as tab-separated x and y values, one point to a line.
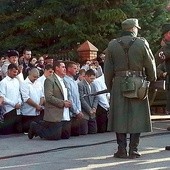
159	84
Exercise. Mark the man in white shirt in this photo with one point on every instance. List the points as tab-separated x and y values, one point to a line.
103	105
9	90
33	99
56	124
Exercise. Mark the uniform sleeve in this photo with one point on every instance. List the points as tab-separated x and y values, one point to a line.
149	63
160	70
109	67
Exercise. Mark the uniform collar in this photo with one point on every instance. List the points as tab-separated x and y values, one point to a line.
126	33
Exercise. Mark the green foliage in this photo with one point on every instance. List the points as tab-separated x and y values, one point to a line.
151	14
57	27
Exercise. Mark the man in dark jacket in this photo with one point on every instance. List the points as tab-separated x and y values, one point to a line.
25	62
126	58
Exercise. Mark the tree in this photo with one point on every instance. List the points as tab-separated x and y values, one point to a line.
152	14
57	27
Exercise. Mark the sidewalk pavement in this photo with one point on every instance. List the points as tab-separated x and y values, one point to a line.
19	145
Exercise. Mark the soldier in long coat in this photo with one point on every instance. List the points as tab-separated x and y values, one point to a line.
128	115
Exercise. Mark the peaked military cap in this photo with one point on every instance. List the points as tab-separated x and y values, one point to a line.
165	28
130	23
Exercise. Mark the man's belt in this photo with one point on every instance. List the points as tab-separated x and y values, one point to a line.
128	73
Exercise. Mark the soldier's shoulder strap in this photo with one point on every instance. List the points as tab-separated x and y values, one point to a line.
145	42
141	38
126	46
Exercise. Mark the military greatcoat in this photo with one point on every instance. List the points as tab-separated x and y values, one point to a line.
128	115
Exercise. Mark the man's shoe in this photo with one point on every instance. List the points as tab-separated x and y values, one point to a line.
167	148
31	132
134	154
120	154
168	128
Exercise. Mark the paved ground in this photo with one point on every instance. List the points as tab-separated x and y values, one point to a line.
84	152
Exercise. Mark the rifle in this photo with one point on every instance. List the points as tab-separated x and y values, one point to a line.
96	93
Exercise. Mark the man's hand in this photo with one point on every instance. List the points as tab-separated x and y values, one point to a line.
38	108
67	103
17	106
80	115
93	111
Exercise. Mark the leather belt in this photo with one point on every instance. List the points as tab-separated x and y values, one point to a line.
128	73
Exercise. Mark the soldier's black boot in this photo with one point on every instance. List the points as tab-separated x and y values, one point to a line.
121	153
134	142
122	143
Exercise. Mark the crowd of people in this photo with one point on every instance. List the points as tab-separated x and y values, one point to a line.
51	98
56	99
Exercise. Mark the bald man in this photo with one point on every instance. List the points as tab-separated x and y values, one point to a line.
33	98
